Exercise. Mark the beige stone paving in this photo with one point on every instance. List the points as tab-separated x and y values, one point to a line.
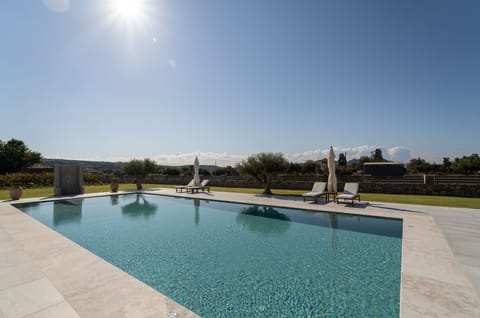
28	298
78	283
18	274
60	310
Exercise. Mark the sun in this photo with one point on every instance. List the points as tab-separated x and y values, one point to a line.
128	11
131	21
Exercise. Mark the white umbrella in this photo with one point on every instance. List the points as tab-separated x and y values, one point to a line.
332	178
196	172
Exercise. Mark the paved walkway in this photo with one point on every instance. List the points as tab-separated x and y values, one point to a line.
461	228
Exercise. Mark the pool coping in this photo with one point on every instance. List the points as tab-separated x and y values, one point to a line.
77	283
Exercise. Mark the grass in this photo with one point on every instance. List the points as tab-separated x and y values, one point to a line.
460	202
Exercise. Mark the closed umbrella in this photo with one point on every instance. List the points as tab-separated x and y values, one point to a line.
196	172
332	178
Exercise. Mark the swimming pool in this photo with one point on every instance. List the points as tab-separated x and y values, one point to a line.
223	259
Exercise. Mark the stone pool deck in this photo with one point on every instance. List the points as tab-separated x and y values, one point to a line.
43	274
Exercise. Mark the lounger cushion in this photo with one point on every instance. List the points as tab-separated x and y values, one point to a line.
313	194
347	196
318	189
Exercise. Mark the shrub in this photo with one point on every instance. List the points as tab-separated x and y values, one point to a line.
171	171
93	178
26	179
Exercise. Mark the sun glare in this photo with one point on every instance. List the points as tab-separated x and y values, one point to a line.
129	11
132	22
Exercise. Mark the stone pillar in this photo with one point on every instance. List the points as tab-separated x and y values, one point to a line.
68	180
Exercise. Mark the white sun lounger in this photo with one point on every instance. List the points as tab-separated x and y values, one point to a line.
318	190
350	192
203	186
181	188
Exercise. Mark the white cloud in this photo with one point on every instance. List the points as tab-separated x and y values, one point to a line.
308	155
57	5
396	153
154	39
172	63
205	158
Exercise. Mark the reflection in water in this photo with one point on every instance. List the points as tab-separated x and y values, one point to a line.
32	206
196	204
139	207
66	212
114	199
333	223
257	225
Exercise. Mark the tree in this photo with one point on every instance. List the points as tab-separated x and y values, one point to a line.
186	171
294	168
447	164
264	167
139	169
170	171
309	167
419	165
467	164
15	156
225	171
204	172
231	171
377	155
344	170
342	159
361	161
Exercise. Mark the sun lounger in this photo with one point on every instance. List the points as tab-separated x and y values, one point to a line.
203	186
350	192
181	188
318	190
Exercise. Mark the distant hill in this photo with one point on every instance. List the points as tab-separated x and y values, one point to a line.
87	165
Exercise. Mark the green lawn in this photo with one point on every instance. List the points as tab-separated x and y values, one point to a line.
473	203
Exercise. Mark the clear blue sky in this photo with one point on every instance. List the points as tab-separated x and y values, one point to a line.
86	79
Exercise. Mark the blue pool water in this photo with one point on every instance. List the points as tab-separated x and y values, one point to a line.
236	260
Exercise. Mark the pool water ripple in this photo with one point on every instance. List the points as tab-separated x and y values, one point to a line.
236	260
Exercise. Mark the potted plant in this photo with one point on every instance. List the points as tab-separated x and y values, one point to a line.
16	192
114	185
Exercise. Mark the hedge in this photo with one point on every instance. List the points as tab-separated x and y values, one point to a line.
44	179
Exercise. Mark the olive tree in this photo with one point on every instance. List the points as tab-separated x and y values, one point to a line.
264	167
139	169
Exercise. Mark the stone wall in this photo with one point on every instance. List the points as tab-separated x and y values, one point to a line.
460	190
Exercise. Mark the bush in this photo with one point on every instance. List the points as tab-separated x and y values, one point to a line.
225	171
44	179
93	178
171	171
26	179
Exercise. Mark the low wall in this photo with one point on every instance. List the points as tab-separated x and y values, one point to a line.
459	190
367	185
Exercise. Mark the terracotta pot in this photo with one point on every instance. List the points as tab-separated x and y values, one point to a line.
16	192
114	186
